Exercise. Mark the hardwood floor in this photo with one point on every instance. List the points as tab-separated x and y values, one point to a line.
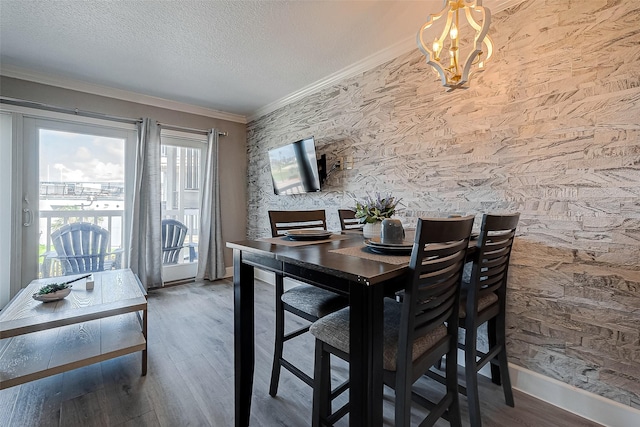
190	376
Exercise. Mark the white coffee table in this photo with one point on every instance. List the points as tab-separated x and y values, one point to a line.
89	326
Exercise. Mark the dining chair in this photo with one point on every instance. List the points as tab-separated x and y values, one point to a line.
283	221
348	220
417	331
81	247
305	301
483	300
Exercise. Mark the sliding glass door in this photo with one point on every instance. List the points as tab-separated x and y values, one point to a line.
6	211
58	169
182	157
73	172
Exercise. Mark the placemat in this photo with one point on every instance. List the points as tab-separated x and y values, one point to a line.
363	252
283	240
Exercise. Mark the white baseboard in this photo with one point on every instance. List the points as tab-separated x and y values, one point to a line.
572	399
228	272
265	276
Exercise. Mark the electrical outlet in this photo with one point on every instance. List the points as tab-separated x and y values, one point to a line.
348	164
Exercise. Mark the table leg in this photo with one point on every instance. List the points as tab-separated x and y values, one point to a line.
244	345
365	354
144	333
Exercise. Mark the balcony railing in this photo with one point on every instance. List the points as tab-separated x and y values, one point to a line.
189	217
112	221
50	220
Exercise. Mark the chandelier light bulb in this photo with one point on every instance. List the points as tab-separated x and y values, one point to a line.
454	32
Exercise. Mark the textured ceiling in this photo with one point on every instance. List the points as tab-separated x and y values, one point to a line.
230	56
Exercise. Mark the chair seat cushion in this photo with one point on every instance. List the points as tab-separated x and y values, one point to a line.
485	300
313	300
334	330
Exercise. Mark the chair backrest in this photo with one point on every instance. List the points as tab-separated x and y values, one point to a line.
489	273
283	221
173	235
348	220
432	291
81	247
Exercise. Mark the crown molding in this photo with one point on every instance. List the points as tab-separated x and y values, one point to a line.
365	64
361	66
81	86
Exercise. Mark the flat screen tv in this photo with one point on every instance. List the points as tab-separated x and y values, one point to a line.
294	168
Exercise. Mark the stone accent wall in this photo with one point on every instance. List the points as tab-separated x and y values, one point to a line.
551	130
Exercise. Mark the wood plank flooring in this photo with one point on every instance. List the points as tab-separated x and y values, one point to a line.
190	376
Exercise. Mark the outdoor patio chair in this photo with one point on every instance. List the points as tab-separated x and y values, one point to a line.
81	247
173	234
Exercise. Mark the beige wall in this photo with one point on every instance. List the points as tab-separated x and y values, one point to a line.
551	130
233	157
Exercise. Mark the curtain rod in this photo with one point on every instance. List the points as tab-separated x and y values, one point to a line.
74	111
192	130
91	114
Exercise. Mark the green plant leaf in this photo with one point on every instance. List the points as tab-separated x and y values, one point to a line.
53	287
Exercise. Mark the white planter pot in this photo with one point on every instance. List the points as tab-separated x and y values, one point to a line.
372	230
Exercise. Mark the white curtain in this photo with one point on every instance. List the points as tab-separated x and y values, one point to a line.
145	256
210	245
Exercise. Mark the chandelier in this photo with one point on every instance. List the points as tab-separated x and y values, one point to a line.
456	58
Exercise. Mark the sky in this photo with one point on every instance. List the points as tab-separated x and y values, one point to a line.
72	157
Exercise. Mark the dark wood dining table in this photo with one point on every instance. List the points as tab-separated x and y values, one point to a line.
364	279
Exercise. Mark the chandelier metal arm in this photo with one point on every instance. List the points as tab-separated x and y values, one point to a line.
454	75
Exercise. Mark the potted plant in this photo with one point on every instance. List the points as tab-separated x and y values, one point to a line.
52	292
371	211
